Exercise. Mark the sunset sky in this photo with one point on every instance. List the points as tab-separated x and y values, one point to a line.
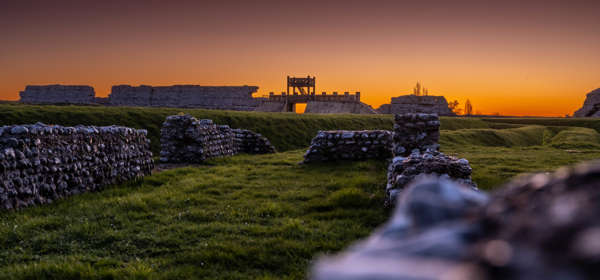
512	57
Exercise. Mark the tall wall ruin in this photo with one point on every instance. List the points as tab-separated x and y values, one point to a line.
55	94
186	96
41	163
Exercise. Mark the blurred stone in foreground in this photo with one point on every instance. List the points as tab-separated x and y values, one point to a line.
535	227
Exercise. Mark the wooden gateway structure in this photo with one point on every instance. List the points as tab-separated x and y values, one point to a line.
303	90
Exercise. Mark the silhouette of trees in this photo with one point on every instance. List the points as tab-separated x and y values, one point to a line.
454	107
468	108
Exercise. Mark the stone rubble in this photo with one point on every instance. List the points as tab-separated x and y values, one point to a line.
42	163
591	105
541	226
349	145
185	139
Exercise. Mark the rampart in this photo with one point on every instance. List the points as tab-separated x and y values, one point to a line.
186	96
56	94
41	163
184	139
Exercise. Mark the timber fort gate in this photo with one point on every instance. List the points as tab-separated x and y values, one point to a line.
303	91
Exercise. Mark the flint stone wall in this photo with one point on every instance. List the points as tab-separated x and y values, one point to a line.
591	105
404	170
185	139
416	132
417	104
186	96
349	145
71	94
542	226
41	163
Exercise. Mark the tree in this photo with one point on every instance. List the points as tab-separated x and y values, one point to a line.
454	107
417	89
468	108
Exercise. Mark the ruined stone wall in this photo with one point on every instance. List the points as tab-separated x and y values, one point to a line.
40	163
542	226
591	105
186	96
415	132
349	145
54	94
417	104
184	139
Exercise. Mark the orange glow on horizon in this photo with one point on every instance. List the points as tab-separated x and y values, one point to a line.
508	57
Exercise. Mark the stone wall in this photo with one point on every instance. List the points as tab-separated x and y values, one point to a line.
415	132
41	163
349	145
54	94
417	104
591	105
542	226
186	96
184	139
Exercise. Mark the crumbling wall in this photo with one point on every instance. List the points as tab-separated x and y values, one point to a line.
591	105
349	145
415	132
54	94
428	104
185	139
542	226
41	163
186	96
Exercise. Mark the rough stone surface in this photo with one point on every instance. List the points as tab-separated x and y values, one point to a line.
41	163
404	170
185	139
412	132
186	96
58	94
542	226
417	104
349	145
591	105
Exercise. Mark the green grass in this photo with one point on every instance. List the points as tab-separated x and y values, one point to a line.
248	217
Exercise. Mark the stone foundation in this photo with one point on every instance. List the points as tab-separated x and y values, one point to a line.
349	145
415	132
40	163
184	139
56	94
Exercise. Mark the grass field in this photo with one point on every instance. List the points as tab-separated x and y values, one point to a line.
261	216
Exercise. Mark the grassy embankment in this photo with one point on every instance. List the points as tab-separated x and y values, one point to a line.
246	216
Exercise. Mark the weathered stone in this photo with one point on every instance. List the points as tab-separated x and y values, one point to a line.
186	96
541	226
591	105
184	139
58	94
415	131
34	159
417	104
349	145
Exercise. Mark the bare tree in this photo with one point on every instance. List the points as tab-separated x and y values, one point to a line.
468	108
454	107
